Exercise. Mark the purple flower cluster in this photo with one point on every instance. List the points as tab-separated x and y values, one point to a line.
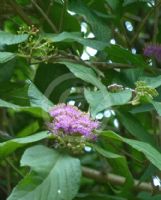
153	50
70	120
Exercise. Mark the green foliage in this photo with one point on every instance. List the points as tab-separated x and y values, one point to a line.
51	173
11	145
90	54
10	39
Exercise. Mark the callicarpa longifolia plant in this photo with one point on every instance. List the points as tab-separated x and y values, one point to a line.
80	100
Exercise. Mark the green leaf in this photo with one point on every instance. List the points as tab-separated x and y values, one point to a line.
6	56
142	108
102	33
10	39
152	81
98	196
76	37
150	152
84	73
37	99
101	100
157	106
28	130
10	146
119	164
54	80
54	176
135	127
128	2
147	196
5	104
121	55
6	70
33	110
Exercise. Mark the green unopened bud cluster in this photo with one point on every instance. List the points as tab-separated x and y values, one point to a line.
74	144
143	93
30	30
36	48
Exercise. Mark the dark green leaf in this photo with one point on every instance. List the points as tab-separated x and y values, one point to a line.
135	127
70	37
119	164
37	99
103	32
121	55
150	152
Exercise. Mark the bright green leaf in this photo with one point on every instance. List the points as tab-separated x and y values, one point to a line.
6	56
11	145
10	39
101	100
152	81
84	73
54	176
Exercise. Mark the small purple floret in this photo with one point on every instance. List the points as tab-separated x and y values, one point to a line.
70	120
153	50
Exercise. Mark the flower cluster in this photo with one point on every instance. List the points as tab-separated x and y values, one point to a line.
69	120
143	93
153	50
36	47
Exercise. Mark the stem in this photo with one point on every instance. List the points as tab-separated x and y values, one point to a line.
143	22
14	167
20	12
156	20
8	177
45	16
48	9
116	179
62	15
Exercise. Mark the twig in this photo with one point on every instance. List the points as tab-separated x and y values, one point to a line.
45	16
156	20
20	12
14	167
116	179
143	22
48	9
106	65
8	177
62	15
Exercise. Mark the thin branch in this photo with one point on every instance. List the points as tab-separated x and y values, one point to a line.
62	15
48	9
132	17
14	167
8	177
116	179
20	12
54	28
143	22
156	20
112	65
